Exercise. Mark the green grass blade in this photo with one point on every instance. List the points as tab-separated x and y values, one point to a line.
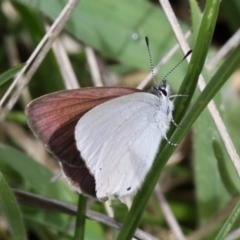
199	54
80	222
211	89
9	207
10	73
229	223
230	185
196	16
188	87
208	93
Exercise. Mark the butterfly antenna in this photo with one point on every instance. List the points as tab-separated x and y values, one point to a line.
187	54
151	62
150	57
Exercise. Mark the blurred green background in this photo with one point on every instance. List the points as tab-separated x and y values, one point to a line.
196	185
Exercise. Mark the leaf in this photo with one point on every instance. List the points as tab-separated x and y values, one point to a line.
35	174
10	73
106	28
205	169
228	174
9	207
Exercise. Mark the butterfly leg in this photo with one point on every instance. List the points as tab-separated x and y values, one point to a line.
173	144
127	201
175	123
56	177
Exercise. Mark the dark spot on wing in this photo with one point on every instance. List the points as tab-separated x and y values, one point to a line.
129	188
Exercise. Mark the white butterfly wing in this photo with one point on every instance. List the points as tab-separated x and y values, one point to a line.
119	140
95	126
127	162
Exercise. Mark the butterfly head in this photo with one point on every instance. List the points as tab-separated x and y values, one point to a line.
163	90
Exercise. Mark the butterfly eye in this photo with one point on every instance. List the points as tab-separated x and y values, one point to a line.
164	92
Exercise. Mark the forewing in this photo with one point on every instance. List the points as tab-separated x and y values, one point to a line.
53	119
121	143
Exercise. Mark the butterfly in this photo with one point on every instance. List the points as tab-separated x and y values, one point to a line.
105	138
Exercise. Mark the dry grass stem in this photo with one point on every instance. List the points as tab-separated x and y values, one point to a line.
36	58
166	210
67	208
214	222
224	50
233	235
13	58
65	67
33	147
93	66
